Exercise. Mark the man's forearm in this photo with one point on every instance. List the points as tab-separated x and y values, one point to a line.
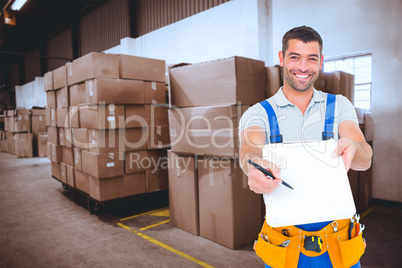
247	152
363	155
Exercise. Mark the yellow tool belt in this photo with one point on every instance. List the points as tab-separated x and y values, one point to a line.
342	251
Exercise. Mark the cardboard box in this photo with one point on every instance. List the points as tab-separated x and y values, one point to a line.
210	130
102	116
155	92
62	117
136	139
60	77
230	213
24	144
53	135
70	178
63	173
56	170
74	116
48	77
10	143
114	91
55	152
229	81
10	121
65	137
360	112
93	65
158	137
116	140
38	117
365	190
67	156
320	82
102	165
156	180
140	161
6	122
62	97
22	120
369	126
106	141
183	193
51	118
80	138
103	189
81	180
340	83
273	80
146	116
140	68
77	159
51	100
42	139
77	94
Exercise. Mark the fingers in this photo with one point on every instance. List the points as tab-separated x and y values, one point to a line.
260	183
346	149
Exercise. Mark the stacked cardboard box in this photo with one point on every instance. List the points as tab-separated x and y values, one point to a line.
207	100
108	126
21	129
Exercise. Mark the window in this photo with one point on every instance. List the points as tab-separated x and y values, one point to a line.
360	66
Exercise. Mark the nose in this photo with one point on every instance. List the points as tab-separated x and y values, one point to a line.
303	65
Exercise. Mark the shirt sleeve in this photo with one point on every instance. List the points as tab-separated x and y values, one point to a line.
347	110
253	116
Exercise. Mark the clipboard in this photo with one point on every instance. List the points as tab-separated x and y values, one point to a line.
321	185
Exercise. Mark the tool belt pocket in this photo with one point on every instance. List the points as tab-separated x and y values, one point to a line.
272	255
351	250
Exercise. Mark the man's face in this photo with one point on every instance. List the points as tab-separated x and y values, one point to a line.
301	64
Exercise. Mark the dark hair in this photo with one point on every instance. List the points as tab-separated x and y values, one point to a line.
302	33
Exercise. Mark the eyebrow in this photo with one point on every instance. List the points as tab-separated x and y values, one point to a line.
310	55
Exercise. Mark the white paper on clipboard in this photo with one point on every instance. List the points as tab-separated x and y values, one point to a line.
321	185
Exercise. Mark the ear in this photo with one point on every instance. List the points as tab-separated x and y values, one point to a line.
322	60
280	54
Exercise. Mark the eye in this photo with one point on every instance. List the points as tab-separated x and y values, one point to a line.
313	59
293	57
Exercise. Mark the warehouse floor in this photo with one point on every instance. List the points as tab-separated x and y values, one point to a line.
43	225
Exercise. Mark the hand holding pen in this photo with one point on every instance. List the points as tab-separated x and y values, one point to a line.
258	179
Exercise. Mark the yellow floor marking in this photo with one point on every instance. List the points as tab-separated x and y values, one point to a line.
141	214
162	213
368	211
153	225
150	239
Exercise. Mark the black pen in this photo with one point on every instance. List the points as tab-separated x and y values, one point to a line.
266	172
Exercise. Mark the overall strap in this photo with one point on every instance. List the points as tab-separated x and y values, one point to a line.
328	132
275	137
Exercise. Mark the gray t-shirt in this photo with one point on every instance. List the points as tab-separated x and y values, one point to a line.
293	125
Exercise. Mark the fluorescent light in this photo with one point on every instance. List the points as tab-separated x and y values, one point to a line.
18	4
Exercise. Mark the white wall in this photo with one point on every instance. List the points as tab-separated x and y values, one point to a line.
353	26
230	29
31	94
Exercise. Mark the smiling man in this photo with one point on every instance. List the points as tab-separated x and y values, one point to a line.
283	118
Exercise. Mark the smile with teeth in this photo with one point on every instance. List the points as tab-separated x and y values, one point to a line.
303	76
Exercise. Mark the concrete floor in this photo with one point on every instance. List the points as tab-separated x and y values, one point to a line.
43	225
